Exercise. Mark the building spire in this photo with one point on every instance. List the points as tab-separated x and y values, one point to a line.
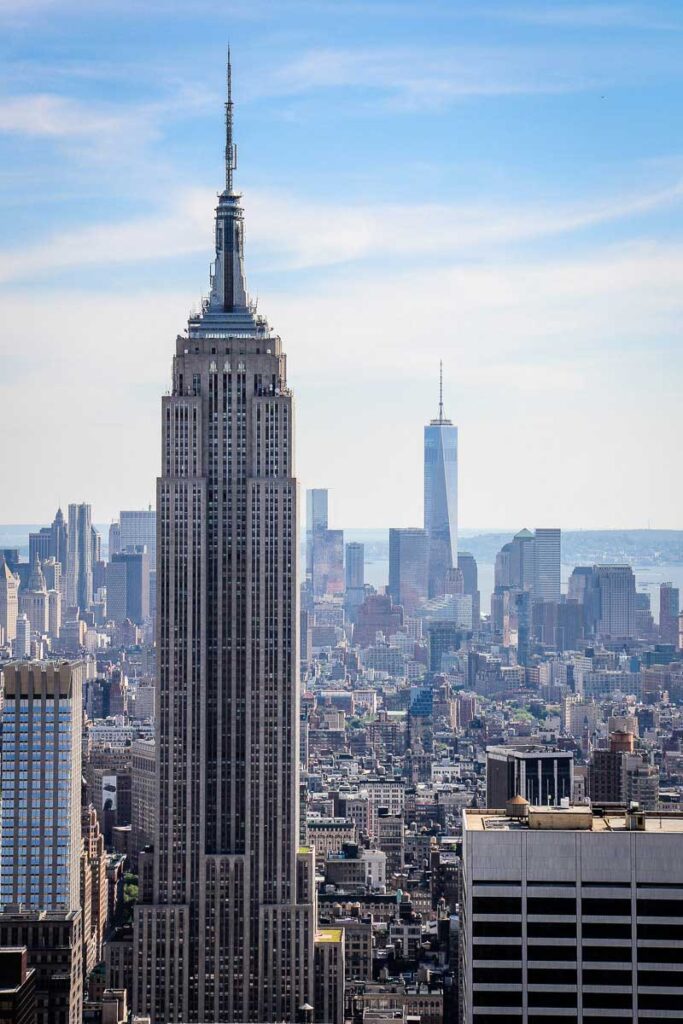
230	146
440	391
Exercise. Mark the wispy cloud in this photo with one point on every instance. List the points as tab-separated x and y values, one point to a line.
287	232
413	77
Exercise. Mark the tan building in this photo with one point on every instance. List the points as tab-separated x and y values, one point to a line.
329	976
9	602
94	894
34	602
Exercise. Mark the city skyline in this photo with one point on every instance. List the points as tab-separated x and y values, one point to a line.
527	284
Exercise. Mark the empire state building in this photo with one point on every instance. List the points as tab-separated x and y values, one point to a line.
225	931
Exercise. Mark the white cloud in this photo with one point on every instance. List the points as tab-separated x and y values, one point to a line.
564	373
286	232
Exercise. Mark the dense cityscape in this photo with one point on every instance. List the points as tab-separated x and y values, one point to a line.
240	782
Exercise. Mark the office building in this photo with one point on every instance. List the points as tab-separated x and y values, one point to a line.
17	987
9	602
329	976
34	601
567	915
60	541
542	775
143	797
40	545
128	586
40	839
94	889
229	933
470	577
41	780
114	542
669	609
22	641
617	589
54	940
408	555
316	521
79	592
355	566
138	529
547	559
377	614
440	497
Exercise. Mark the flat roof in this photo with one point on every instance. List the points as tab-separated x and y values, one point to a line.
570	819
329	935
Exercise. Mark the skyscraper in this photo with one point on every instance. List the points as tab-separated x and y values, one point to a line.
137	528
408	568
40	858
79	557
60	541
41	786
355	566
316	520
470	578
229	934
668	613
547	558
440	497
9	602
617	588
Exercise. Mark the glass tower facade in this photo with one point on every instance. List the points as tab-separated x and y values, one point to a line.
440	500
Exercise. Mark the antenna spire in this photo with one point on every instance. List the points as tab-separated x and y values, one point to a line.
230	146
440	391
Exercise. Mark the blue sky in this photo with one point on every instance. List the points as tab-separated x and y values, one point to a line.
497	184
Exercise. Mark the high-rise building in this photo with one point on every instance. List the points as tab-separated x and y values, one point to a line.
316	521
669	608
584	589
354	594
229	933
143	796
41	785
566	914
617	590
470	577
114	543
139	529
355	566
40	838
60	541
128	586
440	497
40	544
547	559
79	557
9	602
22	636
408	553
94	889
542	775
34	602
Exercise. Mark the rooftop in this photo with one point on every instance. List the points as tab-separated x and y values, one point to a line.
573	819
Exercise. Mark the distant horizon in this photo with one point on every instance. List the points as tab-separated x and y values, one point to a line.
492	186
